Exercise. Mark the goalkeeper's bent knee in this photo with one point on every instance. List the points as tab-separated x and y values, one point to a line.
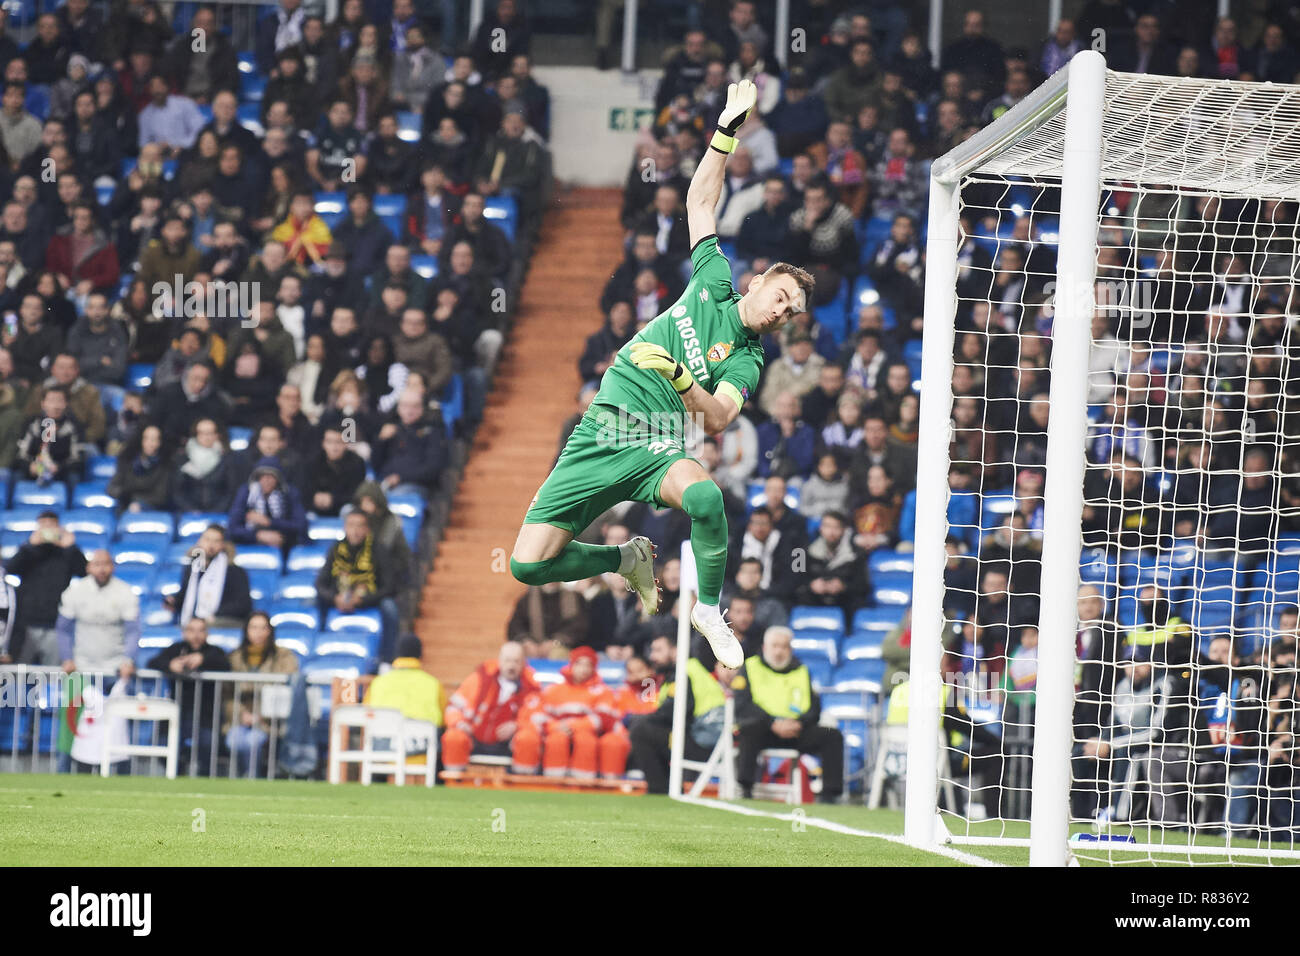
531	572
702	501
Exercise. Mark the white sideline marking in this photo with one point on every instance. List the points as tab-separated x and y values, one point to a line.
957	855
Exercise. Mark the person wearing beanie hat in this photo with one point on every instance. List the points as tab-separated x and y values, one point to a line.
408	687
267	509
569	726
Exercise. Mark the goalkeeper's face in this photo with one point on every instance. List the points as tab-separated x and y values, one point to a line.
772	301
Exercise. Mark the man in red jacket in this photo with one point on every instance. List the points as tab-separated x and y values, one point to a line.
483	714
81	256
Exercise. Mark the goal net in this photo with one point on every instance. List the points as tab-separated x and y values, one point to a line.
1108	567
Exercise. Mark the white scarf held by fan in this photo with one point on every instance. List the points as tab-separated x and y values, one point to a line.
203	601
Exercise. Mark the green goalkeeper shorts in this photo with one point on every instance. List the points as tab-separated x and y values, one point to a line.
609	458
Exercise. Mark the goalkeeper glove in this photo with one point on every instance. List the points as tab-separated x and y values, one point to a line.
741	98
656	358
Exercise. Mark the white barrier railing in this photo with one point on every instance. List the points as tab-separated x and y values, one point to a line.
32	700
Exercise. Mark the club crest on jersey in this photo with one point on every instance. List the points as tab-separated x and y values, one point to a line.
678	311
704	295
719	351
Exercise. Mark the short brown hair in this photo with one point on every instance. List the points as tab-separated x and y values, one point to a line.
801	276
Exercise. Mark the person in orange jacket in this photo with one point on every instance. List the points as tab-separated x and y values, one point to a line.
638	694
483	714
563	725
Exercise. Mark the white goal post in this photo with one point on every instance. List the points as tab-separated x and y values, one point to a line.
1084	137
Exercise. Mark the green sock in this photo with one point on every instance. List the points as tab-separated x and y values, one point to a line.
703	502
575	562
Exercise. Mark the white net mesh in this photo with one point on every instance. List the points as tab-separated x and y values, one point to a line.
1190	571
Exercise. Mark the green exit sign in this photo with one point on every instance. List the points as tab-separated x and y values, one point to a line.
629	119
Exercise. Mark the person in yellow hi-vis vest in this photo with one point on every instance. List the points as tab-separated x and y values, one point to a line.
408	687
776	707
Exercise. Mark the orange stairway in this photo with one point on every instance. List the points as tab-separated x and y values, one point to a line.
470	595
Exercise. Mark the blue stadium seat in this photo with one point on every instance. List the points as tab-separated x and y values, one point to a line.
90	542
884	561
815	644
803	617
252	86
326	529
37	101
20	519
139	576
239	437
502	211
391	210
101	467
299	587
178	554
546	671
104	193
299	640
11	541
152	611
226	638
146	549
139	376
158	637
834	314
147	522
167	582
259	557
892	589
94	495
863	645
453	403
291	614
425	266
407	506
307	557
336	665
820	671
912	356
262	585
90	521
360	643
362	620
411	531
35	495
332	207
249	116
845	705
868	673
191	524
408	128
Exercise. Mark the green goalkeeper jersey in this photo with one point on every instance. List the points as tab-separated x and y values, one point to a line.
703	331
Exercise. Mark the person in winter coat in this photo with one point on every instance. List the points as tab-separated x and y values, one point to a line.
142	481
248	732
201	480
332	475
212	587
47	563
268	510
836	574
354	578
178	407
390	537
564	728
482	714
410	457
81	256
84	402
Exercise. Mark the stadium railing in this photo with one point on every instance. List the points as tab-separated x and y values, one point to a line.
33	701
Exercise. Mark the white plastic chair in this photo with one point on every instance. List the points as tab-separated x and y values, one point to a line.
792	790
160	709
400	737
417	737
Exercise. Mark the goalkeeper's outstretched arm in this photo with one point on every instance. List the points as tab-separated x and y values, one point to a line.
706	185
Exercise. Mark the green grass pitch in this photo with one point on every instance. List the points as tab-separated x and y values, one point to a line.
88	820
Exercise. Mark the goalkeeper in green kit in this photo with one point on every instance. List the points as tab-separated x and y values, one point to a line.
699	360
